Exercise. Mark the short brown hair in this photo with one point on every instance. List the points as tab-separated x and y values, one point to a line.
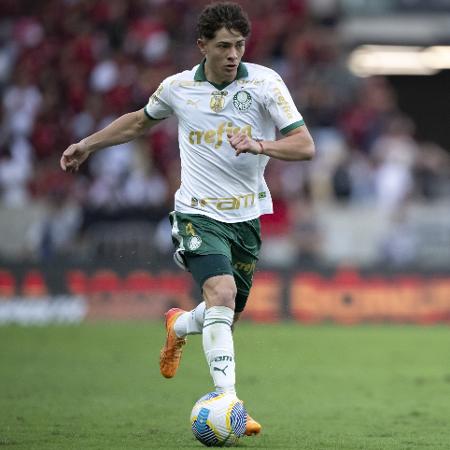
223	14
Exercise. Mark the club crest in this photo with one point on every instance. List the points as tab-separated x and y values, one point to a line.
242	100
194	242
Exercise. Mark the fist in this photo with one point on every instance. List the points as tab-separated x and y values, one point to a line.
74	156
243	144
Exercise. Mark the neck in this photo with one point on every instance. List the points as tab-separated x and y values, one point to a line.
214	77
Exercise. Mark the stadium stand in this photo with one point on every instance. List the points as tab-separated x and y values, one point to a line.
68	68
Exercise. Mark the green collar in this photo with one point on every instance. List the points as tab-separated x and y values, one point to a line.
242	72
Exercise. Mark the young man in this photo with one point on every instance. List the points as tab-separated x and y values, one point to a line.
228	113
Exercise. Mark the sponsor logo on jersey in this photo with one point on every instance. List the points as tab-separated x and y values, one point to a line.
281	101
242	100
217	102
229	203
255	82
218	135
155	97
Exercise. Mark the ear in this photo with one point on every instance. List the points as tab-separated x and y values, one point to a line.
202	46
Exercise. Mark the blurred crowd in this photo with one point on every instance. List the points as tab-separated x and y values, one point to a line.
69	67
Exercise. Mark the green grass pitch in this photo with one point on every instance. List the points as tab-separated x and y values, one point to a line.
97	386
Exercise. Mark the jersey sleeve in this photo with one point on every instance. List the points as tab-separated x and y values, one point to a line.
281	107
159	104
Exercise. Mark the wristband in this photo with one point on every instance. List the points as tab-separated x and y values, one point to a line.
262	147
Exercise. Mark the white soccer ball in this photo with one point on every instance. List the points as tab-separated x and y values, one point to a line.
218	420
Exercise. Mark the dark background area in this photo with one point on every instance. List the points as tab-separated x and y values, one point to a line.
426	99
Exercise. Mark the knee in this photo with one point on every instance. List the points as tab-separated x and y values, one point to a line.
222	293
224	296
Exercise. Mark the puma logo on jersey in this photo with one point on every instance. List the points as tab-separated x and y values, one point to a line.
218	135
193	103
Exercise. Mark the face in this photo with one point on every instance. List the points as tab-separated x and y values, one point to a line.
223	54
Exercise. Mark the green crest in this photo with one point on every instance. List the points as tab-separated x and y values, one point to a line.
242	100
194	242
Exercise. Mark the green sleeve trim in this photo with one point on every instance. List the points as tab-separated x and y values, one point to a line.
292	126
149	116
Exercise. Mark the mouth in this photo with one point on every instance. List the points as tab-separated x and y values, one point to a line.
231	67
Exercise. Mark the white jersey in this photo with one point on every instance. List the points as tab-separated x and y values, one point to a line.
214	182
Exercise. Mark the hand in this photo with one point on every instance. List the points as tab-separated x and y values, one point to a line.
244	144
74	156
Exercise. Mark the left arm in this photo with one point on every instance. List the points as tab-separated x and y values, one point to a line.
298	145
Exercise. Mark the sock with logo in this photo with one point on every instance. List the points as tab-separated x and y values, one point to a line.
218	347
190	322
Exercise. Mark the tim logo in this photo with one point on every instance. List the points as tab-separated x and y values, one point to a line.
223	358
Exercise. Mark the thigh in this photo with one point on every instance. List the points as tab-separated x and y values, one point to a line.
214	275
204	267
244	253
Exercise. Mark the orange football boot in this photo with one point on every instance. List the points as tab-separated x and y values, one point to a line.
252	426
170	355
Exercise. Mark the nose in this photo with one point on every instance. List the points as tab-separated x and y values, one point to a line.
233	54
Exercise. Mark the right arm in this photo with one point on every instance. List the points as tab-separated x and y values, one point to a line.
124	129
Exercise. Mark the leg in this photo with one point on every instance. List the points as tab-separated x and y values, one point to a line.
219	293
210	259
180	323
191	322
226	257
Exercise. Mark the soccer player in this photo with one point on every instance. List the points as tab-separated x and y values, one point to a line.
228	112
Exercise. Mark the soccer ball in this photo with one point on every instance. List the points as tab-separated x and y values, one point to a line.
218	420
